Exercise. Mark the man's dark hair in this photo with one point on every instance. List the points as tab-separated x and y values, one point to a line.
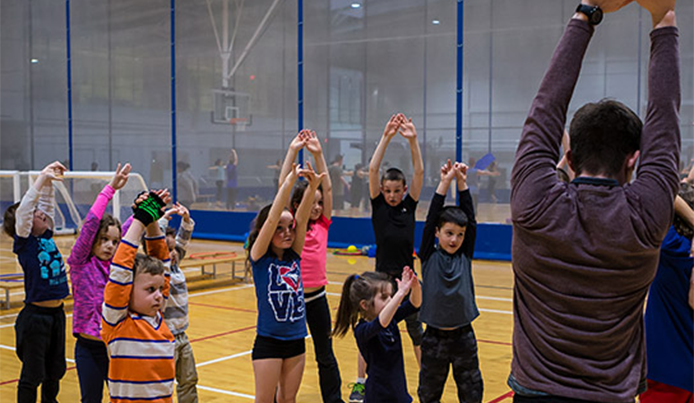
602	135
394	174
452	214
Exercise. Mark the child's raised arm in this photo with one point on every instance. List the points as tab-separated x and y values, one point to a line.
314	147
154	237
297	144
426	248
404	285
157	248
466	204
185	231
83	245
268	229
374	166
304	210
41	195
408	131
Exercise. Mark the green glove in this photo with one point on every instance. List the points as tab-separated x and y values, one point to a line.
149	210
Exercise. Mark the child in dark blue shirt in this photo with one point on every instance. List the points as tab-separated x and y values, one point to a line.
40	326
369	299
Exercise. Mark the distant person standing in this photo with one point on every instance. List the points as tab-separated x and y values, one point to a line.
492	172
356	188
218	175
232	179
339	182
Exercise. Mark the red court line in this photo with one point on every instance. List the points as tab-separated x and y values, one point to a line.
508	394
223	334
228	308
17	380
503	343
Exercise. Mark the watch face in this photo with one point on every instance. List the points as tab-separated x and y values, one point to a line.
596	17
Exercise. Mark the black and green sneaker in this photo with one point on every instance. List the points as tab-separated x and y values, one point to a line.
358	391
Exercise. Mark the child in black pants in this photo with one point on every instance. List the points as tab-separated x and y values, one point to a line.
448	295
40	326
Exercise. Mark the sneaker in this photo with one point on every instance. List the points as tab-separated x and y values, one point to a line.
358	390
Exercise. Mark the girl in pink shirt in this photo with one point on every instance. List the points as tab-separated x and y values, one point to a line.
89	269
313	258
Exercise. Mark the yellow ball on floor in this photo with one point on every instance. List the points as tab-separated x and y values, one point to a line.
352	248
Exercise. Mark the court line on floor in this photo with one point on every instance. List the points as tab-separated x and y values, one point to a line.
502	343
216	360
503	397
225	392
232	288
214	336
3	347
15	314
495	311
17	380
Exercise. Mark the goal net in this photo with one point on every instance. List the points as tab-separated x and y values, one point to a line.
74	196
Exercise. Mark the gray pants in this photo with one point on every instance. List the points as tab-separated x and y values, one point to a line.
442	349
186	374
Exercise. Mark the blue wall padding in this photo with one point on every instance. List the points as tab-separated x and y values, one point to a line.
493	240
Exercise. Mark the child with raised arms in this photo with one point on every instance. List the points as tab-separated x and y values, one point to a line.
140	345
89	269
176	313
313	263
275	245
448	294
369	307
393	219
40	325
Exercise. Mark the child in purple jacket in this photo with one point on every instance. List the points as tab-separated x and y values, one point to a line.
89	270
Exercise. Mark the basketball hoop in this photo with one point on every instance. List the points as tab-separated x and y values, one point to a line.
240	123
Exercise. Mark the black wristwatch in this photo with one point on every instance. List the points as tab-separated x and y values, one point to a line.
594	13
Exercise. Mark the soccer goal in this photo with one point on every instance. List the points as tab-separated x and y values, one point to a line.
74	196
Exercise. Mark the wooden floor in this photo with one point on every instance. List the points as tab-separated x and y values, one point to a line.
222	329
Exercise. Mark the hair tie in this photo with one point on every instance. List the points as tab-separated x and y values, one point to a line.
356	277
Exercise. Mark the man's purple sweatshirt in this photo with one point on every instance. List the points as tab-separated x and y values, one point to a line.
584	254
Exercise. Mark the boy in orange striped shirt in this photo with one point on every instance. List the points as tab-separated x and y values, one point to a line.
140	345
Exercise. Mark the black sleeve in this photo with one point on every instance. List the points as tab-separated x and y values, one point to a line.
426	248
410	203
405	310
465	204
